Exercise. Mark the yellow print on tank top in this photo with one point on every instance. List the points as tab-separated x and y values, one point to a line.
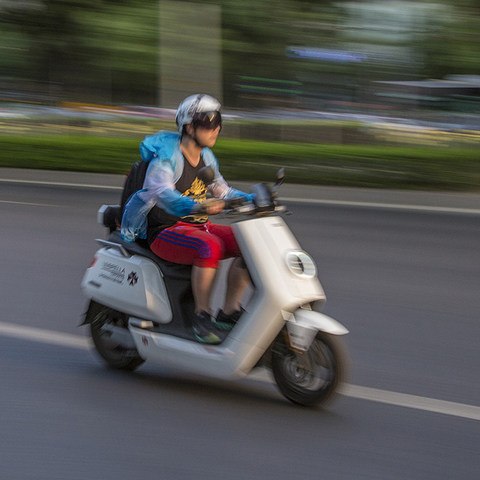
197	192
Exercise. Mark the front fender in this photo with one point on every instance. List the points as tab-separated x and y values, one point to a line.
319	321
303	325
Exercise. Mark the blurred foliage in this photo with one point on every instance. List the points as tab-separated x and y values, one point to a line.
103	51
427	168
453	41
106	51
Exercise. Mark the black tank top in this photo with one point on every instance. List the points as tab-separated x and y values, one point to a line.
189	185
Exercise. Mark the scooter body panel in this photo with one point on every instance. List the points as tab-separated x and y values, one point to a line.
277	263
230	360
130	284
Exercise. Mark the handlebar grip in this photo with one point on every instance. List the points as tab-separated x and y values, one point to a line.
234	202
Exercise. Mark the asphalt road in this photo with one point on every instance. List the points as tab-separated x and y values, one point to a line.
405	282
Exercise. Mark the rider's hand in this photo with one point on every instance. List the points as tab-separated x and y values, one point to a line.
213	206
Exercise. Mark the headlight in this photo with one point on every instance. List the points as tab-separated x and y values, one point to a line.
301	264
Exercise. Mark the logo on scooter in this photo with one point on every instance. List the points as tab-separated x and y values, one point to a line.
132	278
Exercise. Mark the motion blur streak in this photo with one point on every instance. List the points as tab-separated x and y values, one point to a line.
43	336
355	391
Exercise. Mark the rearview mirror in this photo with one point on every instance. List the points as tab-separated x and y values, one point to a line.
280	178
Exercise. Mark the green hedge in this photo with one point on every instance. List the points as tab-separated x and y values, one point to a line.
430	168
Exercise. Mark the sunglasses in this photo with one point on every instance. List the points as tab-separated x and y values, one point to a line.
208	120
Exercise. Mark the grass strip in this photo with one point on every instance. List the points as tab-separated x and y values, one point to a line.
427	168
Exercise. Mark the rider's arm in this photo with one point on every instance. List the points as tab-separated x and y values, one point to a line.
159	186
219	188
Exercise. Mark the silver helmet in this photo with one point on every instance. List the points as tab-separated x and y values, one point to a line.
192	106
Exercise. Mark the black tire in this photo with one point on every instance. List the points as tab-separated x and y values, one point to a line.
312	377
114	355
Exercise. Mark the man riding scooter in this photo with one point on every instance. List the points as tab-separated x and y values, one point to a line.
142	308
171	200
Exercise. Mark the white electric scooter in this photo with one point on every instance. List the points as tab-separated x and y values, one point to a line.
140	309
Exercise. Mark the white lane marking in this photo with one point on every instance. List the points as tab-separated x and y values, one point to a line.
462	410
61	184
411	401
416	402
30	204
394	206
420	208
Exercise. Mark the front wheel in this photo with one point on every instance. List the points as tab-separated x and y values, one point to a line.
116	356
311	377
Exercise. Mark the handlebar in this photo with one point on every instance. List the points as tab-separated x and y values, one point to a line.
234	204
264	203
247	208
264	197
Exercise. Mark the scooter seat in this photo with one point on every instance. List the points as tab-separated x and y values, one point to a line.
168	269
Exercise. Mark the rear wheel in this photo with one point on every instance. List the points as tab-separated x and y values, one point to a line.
116	356
311	377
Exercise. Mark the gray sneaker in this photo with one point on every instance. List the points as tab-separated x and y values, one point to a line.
226	322
204	329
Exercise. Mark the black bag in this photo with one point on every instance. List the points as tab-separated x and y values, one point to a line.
133	182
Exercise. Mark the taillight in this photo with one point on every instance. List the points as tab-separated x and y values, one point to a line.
93	262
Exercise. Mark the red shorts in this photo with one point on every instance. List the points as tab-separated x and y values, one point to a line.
203	245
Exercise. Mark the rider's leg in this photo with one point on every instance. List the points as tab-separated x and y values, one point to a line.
238	281
203	279
238	278
192	245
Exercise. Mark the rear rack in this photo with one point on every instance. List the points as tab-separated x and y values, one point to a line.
118	246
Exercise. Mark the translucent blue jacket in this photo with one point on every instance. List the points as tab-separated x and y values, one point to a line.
162	151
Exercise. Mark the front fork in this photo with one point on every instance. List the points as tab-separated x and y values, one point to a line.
301	328
304	324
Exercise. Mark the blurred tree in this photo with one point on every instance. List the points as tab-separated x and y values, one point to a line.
122	45
254	42
452	41
256	38
107	50
87	49
52	37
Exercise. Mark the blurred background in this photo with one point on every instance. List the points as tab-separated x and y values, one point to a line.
341	74
378	94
